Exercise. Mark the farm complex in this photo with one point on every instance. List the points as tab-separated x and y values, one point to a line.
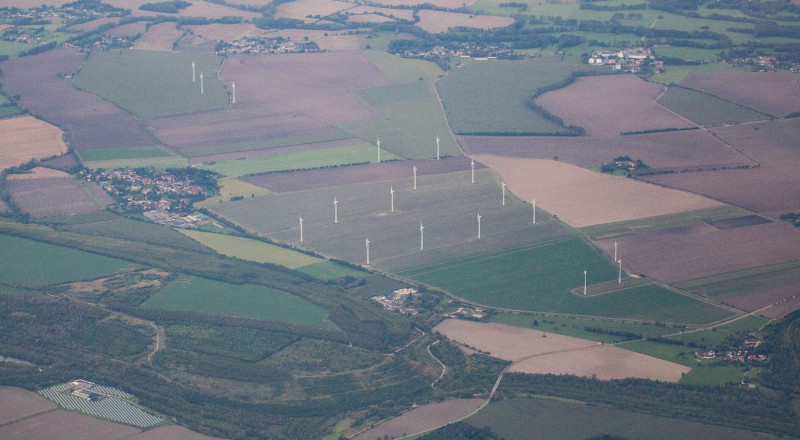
328	219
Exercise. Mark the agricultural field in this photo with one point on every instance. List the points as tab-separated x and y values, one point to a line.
581	198
33	264
67	424
310	159
121	153
773	93
229	187
602	330
669	151
25	138
675	74
108	225
49	196
198	8
485	97
440	21
88	121
17	404
208	296
699	251
39	173
137	81
159	163
572	420
303	9
159	37
704	109
589	103
252	250
422	418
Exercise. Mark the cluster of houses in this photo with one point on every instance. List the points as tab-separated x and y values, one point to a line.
743	354
248	45
184	221
400	300
137	193
628	60
477	53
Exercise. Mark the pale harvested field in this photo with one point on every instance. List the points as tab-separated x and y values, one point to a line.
680	150
25	138
406	14
128	30
368	18
699	251
172	432
199	160
440	3
440	21
199	8
508	342
65	425
159	37
594	103
422	418
225	32
333	41
56	196
94	24
539	352
774	93
764	295
300	9
39	173
16	403
25	4
604	362
580	197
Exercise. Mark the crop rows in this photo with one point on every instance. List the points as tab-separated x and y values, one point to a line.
113	408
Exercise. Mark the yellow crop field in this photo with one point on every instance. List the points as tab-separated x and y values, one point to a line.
25	138
251	250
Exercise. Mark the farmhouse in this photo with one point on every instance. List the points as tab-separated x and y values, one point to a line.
399	301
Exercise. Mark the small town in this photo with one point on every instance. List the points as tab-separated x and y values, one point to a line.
255	45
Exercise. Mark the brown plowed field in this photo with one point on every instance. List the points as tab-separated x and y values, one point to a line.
539	352
159	37
374	172
440	21
300	9
25	138
225	32
680	150
88	121
698	251
406	14
771	189
65	425
602	362
94	24
64	162
39	173
440	3
580	197
608	105
774	93
763	296
171	432
47	197
16	403
422	418
198	8
129	29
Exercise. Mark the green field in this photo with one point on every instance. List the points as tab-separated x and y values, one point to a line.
675	74
522	419
117	153
251	250
160	163
230	187
28	263
748	279
687	53
301	160
328	134
704	109
135	230
202	295
151	84
489	96
411	119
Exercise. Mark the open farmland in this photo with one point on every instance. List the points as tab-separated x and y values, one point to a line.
45	197
31	263
773	93
224	32
422	418
25	138
117	153
672	151
159	37
582	198
548	353
489	96
198	8
704	109
249	301
171	432
373	172
137	81
699	251
64	424
16	404
441	21
252	250
128	29
589	103
268	148
88	121
571	420
302	9
319	158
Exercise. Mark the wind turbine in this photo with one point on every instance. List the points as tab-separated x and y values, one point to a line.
479	226
421	237
504	193
379	150
193	77
301	229
615	251
473	170
391	192
233	96
202	90
620	271
415	178
584	283
368	251
437	147
534	212
335	211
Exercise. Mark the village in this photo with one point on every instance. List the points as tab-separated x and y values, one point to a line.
627	60
254	45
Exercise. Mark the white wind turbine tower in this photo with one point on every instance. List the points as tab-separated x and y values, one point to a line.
379	150
368	251
479	226
421	237
415	178
437	147
193	77
301	229
335	211
584	283
504	193
391	192
620	272
534	212
473	170
202	90
233	88
615	251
